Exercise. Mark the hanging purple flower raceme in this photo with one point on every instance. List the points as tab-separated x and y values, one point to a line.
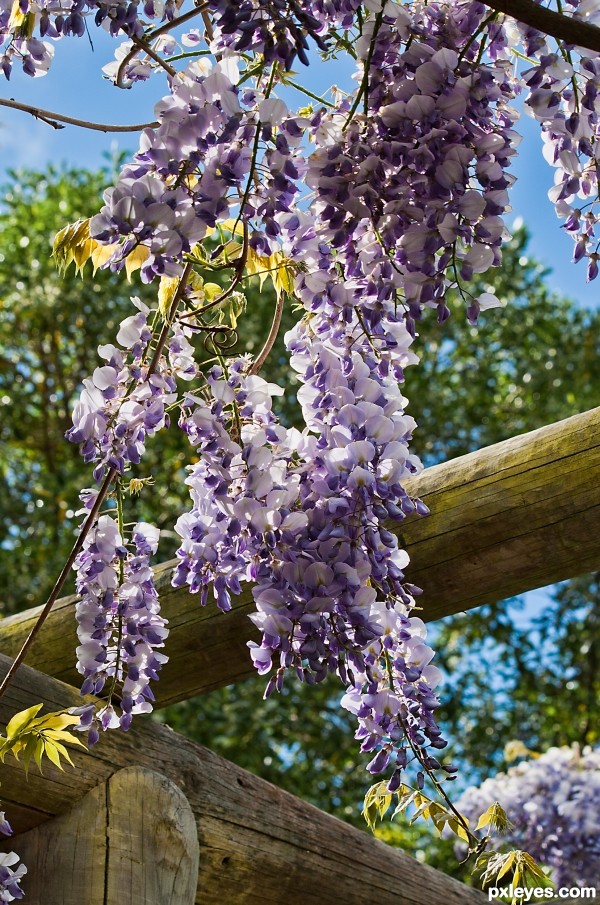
118	622
187	174
120	407
417	185
243	490
563	90
391	212
279	29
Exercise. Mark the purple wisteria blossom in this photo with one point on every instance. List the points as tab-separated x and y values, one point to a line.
554	803
181	181
119	625
279	29
120	406
10	877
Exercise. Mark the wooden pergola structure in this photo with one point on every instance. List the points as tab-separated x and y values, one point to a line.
148	817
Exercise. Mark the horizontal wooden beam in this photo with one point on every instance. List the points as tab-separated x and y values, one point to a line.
258	844
509	518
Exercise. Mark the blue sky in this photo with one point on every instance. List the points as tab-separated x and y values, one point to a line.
75	86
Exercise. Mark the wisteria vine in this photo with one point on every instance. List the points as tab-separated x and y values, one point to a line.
365	207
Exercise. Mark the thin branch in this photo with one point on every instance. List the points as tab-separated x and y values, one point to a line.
208	28
60	581
270	342
54	119
151	36
154	56
565	28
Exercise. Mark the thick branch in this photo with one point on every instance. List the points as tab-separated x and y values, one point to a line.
564	28
54	119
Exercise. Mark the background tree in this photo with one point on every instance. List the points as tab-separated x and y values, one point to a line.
529	364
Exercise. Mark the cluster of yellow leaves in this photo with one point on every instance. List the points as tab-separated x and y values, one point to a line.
35	737
526	873
74	245
378	799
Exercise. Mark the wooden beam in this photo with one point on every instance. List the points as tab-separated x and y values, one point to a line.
131	840
509	518
258	844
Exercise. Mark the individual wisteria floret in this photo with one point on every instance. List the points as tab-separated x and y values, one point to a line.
553	802
120	406
119	625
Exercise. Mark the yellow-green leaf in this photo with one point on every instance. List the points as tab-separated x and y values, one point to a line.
38	752
29	751
510	860
22	719
458	829
135	259
377	801
52	753
64	736
166	293
495	817
58	720
101	254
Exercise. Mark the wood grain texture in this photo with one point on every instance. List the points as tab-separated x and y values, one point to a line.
509	518
130	840
258	844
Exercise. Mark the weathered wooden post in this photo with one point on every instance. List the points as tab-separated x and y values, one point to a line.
132	840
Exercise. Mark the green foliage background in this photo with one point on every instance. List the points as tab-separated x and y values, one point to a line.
533	362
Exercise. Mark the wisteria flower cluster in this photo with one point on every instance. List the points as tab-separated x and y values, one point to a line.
26	27
10	876
118	623
553	801
365	208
